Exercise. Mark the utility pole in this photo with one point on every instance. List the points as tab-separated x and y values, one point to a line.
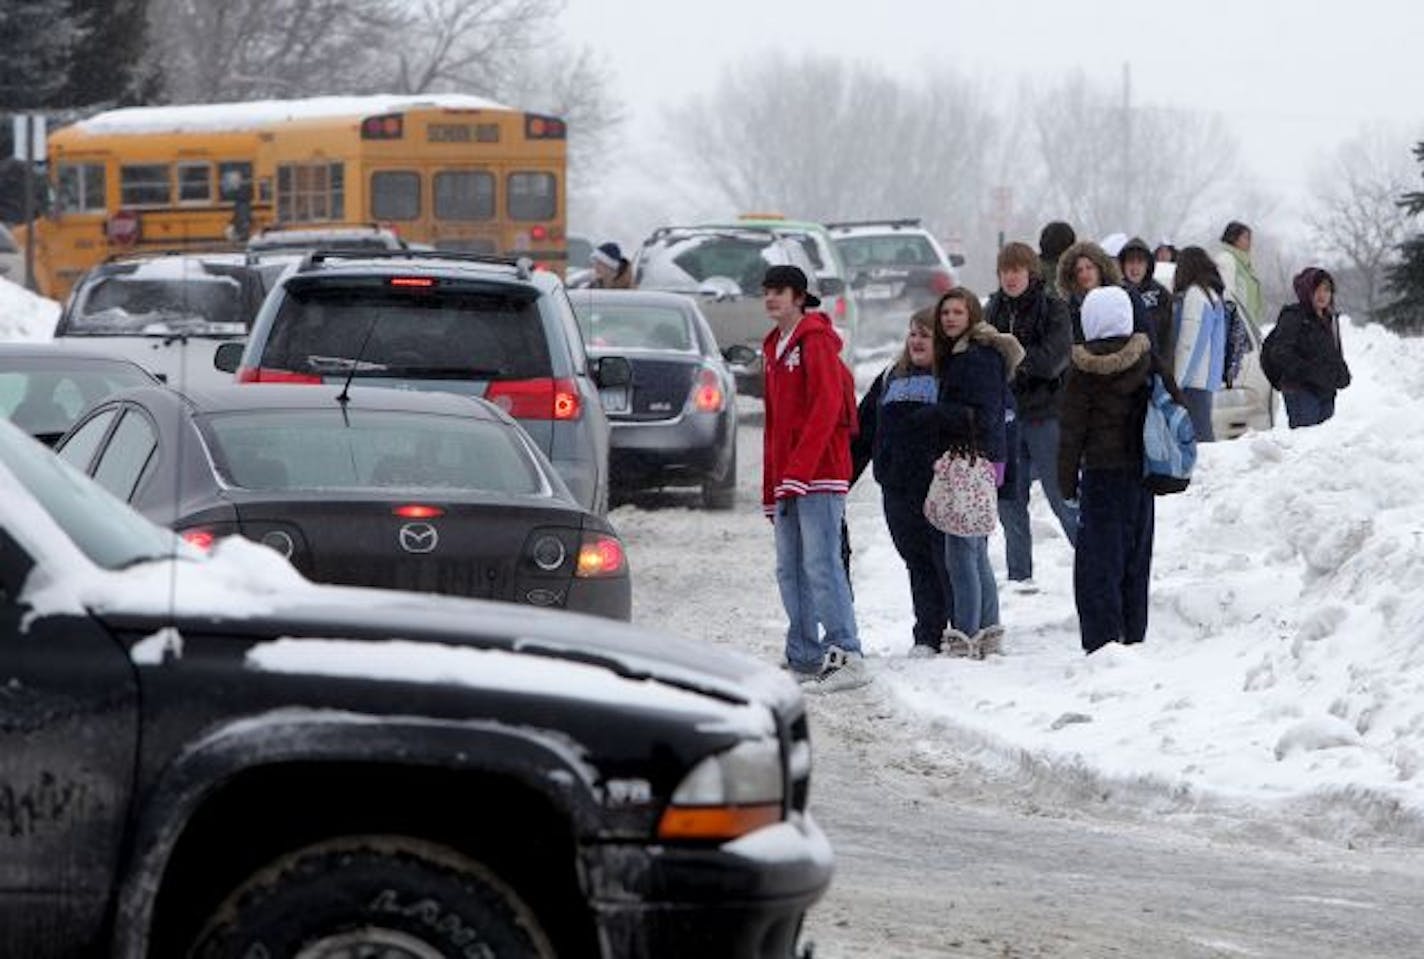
1127	212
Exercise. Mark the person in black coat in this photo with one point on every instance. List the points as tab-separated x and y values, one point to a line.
1305	353
1100	464
1138	264
902	452
1023	307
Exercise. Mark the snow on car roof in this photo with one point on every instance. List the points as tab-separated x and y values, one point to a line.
257	114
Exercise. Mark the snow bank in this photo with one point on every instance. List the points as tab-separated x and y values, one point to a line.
1285	657
25	316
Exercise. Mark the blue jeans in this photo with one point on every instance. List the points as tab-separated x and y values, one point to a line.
1199	409
1038	460
1305	408
813	584
971	581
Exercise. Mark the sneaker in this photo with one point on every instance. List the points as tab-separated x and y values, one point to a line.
1023	587
923	651
989	641
798	675
840	670
956	644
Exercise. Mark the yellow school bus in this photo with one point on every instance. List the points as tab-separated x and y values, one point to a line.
457	172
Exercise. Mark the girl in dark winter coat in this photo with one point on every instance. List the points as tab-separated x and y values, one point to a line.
1305	351
975	364
1104	403
903	453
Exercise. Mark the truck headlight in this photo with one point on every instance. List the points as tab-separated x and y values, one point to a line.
728	794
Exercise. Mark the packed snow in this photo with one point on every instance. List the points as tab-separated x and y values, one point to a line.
1285	656
25	315
256	114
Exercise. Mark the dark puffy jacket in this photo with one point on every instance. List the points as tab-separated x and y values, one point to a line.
1306	349
1156	298
1041	325
891	437
974	393
1104	402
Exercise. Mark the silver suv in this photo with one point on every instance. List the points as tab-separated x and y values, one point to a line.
460	323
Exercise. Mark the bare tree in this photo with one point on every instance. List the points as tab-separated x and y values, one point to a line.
473	45
1107	166
249	49
1355	213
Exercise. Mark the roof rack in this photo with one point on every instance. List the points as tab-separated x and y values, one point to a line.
523	267
319	227
721	229
895	223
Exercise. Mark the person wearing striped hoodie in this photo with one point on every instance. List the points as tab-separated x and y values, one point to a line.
806	470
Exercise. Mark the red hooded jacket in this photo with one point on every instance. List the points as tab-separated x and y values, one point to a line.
810	413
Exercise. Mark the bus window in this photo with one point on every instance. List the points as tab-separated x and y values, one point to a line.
532	196
310	191
464	195
145	184
244	175
81	187
195	183
395	195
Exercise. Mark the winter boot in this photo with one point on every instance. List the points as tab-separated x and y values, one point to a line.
956	644
923	651
990	641
839	670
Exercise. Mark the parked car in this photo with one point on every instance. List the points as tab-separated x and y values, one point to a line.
455	322
45	386
361	487
167	312
1250	402
209	756
723	268
675	424
895	267
12	257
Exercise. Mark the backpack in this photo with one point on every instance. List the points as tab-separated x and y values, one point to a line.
1169	444
1271	357
1238	344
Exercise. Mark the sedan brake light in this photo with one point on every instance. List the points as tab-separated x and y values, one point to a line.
707	395
600	555
200	536
418	511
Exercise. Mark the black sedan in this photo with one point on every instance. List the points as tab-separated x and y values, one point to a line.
366	487
45	386
676	423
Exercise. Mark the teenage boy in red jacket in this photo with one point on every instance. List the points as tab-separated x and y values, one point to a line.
806	467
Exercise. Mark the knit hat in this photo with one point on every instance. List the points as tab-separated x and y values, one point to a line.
609	255
784	276
1055	238
1107	312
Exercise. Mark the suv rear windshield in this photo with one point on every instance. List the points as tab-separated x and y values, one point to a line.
901	249
128	303
456	334
682	262
326	449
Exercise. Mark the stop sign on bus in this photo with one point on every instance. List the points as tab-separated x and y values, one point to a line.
123	228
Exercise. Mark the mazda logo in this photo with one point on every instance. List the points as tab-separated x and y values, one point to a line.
418	537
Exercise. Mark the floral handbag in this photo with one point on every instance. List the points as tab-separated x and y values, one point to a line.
963	497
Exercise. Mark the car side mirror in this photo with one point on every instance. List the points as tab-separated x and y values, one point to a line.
831	285
739	354
228	356
613	371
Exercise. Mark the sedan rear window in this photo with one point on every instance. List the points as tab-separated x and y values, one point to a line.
635	327
424	334
324	449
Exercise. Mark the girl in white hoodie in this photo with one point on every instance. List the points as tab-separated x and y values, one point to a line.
1199	361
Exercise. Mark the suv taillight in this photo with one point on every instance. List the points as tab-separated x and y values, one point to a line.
545	398
263	374
941	282
840	307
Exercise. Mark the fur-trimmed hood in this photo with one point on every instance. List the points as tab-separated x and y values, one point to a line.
1107	266
1114	356
985	335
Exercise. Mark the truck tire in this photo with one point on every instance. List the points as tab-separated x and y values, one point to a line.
373	895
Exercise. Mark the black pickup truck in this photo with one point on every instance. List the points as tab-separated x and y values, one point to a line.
211	757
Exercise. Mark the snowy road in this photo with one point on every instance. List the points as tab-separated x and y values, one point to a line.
939	856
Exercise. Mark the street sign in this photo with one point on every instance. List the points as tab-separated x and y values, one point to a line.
29	126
